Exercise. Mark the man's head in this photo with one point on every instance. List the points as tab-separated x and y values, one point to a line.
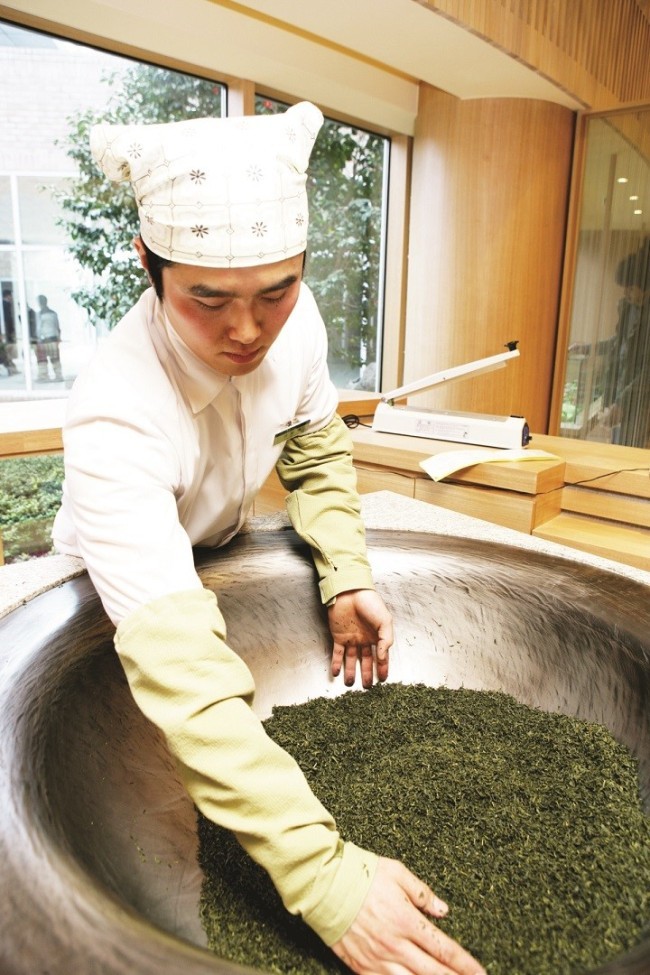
223	222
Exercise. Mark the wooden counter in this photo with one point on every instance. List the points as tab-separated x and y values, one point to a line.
31	427
593	497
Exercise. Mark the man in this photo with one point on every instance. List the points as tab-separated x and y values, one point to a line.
626	394
8	347
48	334
217	375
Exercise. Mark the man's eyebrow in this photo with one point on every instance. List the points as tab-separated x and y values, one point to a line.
205	291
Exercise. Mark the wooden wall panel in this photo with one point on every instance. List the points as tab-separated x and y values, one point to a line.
595	49
487	229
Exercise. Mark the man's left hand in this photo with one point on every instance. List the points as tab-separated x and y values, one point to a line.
362	630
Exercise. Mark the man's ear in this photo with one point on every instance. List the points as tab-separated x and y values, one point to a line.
142	254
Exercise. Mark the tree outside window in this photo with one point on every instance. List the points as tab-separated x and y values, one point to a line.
347	177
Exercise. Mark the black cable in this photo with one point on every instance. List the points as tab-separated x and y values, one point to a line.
597	477
353	421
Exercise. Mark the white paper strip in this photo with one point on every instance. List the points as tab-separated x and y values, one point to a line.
442	465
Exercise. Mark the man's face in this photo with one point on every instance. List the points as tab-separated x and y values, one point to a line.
230	318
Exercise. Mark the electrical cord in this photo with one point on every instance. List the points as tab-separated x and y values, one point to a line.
353	421
597	477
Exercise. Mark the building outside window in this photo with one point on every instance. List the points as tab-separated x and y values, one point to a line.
52	312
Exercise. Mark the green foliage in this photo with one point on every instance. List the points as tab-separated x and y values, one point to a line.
569	403
346	175
345	189
30	496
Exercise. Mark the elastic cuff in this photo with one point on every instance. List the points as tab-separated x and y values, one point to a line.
336	912
354	577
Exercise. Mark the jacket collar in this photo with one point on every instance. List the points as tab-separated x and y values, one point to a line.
199	383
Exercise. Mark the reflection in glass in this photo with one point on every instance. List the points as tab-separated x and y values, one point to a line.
607	380
39	211
6	216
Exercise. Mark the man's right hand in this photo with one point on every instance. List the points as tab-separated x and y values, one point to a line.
391	935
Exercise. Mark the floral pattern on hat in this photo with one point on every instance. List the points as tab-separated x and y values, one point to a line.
236	185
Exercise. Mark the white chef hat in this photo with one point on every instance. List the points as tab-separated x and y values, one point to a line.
217	192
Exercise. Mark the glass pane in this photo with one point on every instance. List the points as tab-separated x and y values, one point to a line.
40	211
51	279
69	238
27	364
6	216
12	339
607	382
347	214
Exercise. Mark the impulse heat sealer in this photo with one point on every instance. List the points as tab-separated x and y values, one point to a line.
471	428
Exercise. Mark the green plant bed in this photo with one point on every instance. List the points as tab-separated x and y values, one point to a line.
30	495
28	539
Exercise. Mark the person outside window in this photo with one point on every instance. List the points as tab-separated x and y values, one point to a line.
48	338
626	398
8	348
215	377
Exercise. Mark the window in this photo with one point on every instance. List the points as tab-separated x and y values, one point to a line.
30	496
606	392
54	248
347	205
57	246
61	252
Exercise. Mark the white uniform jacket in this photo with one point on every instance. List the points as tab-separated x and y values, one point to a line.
162	453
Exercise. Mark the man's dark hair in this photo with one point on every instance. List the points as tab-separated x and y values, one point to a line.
155	265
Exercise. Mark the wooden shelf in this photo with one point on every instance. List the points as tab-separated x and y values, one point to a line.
594	497
604	504
405	453
605	538
602	466
31	427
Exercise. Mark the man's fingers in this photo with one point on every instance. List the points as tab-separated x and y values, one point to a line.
350	672
447	952
431	939
381	659
421	896
367	666
338	651
364	655
345	658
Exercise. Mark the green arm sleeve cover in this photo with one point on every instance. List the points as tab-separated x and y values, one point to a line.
324	506
190	684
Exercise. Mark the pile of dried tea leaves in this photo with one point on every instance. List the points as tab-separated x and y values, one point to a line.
527	823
